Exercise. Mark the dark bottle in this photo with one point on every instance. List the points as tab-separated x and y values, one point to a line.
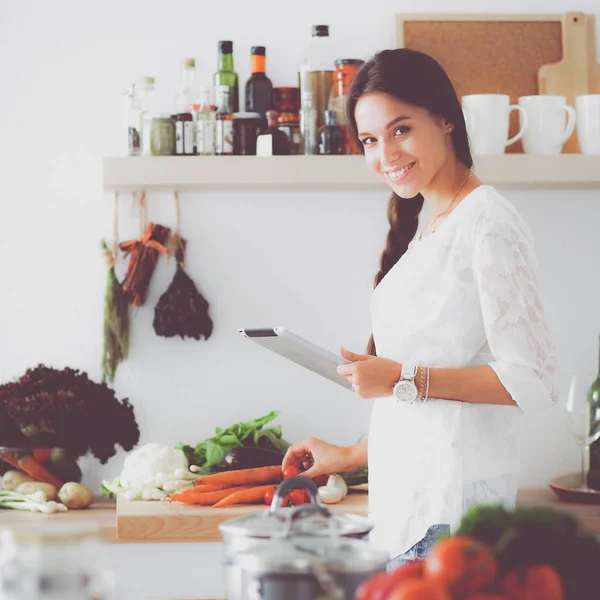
330	137
593	399
259	89
225	74
272	141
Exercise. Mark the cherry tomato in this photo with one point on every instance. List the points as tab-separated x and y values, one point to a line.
290	471
297	497
321	480
269	495
462	564
538	581
41	454
419	589
379	586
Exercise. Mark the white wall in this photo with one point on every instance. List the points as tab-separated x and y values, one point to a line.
303	260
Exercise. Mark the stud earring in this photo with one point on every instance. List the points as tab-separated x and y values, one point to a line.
450	128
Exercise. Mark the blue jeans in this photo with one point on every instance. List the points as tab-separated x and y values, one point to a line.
421	549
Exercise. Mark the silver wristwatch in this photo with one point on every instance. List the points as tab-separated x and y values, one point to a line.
405	389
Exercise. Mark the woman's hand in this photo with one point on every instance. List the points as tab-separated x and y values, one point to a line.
320	458
371	376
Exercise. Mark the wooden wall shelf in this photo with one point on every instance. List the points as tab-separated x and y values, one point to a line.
190	173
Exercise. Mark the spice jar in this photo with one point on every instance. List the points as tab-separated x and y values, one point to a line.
286	99
345	70
246	127
158	135
289	123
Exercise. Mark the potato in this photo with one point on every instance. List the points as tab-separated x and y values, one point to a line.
12	479
30	487
75	495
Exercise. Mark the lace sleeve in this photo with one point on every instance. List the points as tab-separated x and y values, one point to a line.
504	266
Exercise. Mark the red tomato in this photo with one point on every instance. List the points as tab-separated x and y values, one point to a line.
462	564
297	497
321	480
379	586
540	582
290	471
269	495
419	589
41	454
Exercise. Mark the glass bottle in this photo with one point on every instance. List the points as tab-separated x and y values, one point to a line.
205	124
308	124
225	74
186	95
272	141
146	93
131	137
330	138
224	123
316	71
593	399
259	89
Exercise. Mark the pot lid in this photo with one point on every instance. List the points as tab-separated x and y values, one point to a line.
301	555
309	519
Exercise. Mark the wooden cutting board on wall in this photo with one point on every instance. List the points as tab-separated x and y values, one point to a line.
577	72
488	54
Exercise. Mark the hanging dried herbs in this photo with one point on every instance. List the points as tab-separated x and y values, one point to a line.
63	408
182	310
116	322
143	256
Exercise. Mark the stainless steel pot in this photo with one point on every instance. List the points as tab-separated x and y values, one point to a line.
256	530
298	567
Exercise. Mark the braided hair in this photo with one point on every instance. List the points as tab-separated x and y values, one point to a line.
418	79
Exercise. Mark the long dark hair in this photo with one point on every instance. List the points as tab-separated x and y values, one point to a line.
418	79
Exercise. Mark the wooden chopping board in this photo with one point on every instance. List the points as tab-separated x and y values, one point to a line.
577	72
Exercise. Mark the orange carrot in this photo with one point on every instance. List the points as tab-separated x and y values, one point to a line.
201	488
253	494
32	467
206	499
257	476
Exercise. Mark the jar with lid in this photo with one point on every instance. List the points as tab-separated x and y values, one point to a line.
158	135
55	561
246	127
345	70
286	100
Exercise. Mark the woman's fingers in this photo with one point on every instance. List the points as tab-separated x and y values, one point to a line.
296	455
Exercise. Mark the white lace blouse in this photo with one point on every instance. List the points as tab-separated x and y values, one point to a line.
464	296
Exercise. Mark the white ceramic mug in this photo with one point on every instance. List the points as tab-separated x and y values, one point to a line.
588	123
487	117
546	132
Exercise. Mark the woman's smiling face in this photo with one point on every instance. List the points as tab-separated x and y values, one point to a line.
405	144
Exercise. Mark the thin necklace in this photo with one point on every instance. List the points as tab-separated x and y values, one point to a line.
460	187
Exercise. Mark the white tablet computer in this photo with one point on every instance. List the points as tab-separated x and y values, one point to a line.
300	351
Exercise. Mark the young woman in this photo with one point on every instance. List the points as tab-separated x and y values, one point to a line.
460	347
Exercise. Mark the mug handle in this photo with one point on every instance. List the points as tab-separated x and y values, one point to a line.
571	120
519	135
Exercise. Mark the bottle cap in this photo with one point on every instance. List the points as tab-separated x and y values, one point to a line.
348	61
189	62
320	30
226	46
258	51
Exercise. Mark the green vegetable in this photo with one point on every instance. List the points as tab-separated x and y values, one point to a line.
209	455
356	477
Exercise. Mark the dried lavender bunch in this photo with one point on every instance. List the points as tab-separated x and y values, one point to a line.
64	408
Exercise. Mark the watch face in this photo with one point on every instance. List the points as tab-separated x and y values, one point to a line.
405	391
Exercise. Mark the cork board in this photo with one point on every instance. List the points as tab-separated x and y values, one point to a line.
487	54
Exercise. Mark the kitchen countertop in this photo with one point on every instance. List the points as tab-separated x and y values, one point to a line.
130	522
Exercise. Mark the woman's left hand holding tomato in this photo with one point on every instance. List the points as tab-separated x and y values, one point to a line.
372	376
